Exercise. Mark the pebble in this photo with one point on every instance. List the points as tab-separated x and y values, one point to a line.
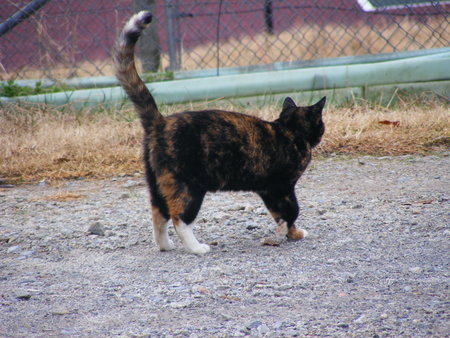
23	295
180	305
13	249
269	241
254	325
96	229
416	269
361	319
292	333
68	332
27	253
132	184
61	312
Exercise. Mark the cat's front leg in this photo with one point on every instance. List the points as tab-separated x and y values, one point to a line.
283	207
296	234
190	242
291	232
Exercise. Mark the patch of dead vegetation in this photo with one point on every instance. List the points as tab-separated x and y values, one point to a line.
40	142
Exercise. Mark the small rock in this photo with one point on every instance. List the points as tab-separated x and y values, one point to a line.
131	184
292	333
361	319
271	241
27	254
263	329
180	305
277	325
416	211
67	232
407	288
249	208
68	332
357	206
96	229
61	312
23	296
254	325
13	249
260	211
343	326
125	195
225	316
4	239
416	269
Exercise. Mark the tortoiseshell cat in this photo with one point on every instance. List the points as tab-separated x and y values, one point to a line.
190	153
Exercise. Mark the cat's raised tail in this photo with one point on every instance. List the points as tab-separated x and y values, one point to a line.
123	56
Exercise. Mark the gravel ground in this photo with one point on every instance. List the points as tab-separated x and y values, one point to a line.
78	259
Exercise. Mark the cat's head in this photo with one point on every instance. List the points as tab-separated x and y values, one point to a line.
305	120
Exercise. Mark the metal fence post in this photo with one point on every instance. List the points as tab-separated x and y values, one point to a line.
171	38
149	45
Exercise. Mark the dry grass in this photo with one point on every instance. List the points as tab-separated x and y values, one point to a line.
43	143
378	131
46	144
306	42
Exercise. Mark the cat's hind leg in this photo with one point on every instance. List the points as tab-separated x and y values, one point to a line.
284	208
183	204
160	231
160	212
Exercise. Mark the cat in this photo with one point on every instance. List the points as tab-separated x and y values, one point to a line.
191	153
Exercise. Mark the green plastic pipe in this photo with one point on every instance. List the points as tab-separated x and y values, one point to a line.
419	69
110	81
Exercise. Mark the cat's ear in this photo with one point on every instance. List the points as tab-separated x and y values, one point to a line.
315	111
320	104
288	103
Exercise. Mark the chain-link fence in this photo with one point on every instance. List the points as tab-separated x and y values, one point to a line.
73	38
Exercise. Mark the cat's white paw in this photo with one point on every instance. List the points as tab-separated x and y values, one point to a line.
296	234
200	249
189	240
166	245
305	233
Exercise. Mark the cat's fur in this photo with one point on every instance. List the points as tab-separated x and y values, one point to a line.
190	153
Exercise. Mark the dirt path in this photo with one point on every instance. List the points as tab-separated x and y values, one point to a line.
376	262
